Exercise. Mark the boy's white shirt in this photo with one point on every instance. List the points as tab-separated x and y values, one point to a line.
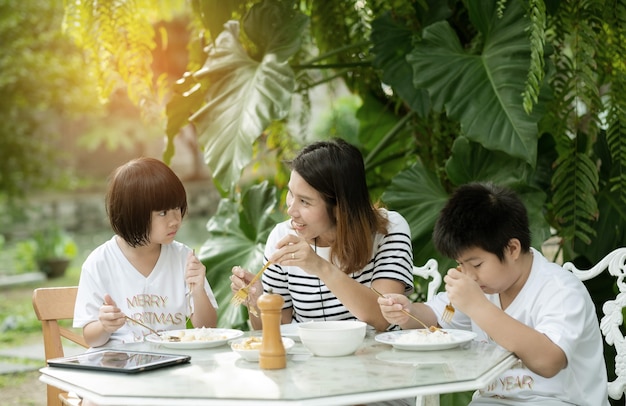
554	302
158	300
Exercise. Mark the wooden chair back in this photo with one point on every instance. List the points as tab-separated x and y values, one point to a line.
612	322
52	305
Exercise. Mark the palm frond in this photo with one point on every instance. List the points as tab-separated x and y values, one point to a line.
575	121
537	27
614	32
575	183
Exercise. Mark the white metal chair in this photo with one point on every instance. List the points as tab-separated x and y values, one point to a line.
429	271
612	320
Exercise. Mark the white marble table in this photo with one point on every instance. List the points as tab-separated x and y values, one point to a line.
218	376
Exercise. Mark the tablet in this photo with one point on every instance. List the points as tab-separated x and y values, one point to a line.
116	360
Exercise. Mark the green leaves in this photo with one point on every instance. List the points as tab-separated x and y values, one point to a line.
275	28
481	89
244	96
392	42
215	13
419	196
237	235
470	162
577	178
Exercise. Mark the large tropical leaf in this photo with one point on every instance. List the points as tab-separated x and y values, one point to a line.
482	89
392	39
245	95
392	42
418	195
215	13
535	199
471	162
237	235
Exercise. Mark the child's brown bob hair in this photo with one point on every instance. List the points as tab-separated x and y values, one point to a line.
135	190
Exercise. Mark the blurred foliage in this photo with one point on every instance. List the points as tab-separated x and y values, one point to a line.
119	39
43	84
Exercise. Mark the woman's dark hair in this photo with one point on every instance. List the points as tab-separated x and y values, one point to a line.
138	188
335	169
481	215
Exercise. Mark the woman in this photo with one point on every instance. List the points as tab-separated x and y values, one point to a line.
335	245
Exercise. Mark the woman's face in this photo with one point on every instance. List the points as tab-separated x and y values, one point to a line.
307	210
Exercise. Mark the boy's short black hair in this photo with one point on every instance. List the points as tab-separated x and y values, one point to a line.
135	190
481	215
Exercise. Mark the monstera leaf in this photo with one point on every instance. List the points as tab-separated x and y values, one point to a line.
471	162
245	95
480	87
237	235
417	194
392	42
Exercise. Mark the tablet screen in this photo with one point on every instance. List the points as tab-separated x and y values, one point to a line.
119	360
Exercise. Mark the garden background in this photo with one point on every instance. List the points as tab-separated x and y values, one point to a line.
526	93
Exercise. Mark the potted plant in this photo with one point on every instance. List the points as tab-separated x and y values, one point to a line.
53	250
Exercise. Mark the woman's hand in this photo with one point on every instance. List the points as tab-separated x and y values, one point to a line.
240	278
295	251
110	316
392	306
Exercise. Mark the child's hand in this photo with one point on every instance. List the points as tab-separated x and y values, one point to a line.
110	316
392	306
463	291
195	272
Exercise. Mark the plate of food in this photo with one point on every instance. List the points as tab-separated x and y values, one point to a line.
194	338
425	340
248	348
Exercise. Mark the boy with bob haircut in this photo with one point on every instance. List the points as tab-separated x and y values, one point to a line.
510	294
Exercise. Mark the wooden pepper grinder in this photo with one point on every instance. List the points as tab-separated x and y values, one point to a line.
272	353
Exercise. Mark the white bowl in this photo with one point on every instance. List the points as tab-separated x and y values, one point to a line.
290	330
332	338
248	347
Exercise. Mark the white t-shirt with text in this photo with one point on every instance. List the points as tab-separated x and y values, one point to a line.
159	300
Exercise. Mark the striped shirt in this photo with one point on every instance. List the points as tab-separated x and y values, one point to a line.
310	299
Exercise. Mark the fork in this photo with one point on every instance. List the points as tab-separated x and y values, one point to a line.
189	308
242	294
448	312
188	297
404	311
